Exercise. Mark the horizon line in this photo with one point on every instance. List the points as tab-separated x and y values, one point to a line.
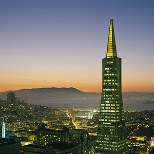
70	88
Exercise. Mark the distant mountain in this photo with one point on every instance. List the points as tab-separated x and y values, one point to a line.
59	93
50	93
68	97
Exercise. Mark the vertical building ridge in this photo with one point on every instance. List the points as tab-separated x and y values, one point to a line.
111	46
111	134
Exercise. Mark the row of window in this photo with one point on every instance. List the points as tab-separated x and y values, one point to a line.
113	103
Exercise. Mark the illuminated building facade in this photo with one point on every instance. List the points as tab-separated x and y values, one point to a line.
111	138
46	136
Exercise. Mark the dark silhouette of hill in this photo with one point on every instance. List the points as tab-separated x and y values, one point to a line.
48	93
67	97
56	93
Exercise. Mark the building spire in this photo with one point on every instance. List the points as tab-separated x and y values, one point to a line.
111	46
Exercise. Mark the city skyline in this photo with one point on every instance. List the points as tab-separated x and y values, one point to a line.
61	43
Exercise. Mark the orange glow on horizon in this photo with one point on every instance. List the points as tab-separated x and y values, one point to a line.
83	87
81	83
12	87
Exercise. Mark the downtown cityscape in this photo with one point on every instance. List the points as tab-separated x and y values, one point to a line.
108	117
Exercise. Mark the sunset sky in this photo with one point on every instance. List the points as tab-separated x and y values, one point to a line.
61	43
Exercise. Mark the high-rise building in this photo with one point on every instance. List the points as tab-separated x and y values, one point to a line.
46	136
3	129
111	135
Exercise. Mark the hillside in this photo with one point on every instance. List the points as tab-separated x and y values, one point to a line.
48	93
68	97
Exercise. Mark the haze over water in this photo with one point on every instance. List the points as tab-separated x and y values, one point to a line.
91	103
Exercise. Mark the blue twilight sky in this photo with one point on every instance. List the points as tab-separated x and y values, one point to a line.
45	43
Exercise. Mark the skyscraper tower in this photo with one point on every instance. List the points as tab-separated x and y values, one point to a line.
3	129
111	138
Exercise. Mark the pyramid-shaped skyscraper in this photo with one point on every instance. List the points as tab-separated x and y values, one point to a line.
111	134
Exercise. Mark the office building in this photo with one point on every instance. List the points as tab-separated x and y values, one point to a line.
46	136
111	138
81	138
